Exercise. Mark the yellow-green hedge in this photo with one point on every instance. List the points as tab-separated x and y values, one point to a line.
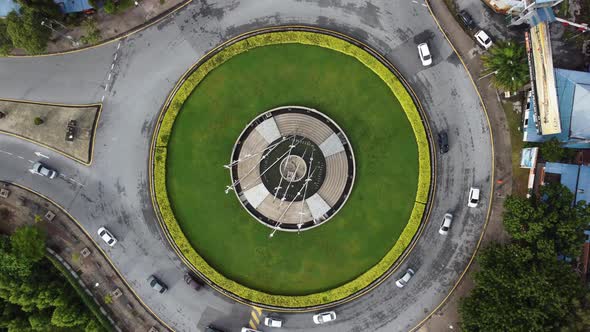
284	37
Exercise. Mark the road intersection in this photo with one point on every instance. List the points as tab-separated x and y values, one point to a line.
135	76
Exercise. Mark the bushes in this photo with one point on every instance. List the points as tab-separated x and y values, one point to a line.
186	87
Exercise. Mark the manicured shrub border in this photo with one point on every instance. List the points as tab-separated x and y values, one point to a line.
159	153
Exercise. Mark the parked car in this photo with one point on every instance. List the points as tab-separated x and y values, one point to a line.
466	19
324	317
192	281
273	322
247	329
106	236
483	39
157	285
44	170
473	197
401	282
212	328
424	54
443	142
446	224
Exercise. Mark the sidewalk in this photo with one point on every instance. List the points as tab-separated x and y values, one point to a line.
93	270
447	317
113	26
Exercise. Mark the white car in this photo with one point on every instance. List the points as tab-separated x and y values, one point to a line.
401	282
473	197
106	236
483	39
324	317
273	322
446	224
43	170
247	329
424	54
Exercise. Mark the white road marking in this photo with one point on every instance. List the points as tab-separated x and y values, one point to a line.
108	79
8	153
32	162
118	46
106	87
39	154
102	99
76	182
112	66
19	157
115	58
424	5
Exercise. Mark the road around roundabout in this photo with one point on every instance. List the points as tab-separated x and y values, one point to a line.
136	75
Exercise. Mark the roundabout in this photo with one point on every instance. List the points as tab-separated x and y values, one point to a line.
135	76
292	169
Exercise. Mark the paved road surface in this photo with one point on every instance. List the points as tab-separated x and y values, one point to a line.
145	66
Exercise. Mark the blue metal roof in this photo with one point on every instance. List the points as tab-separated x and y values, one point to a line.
573	94
568	172
542	14
73	6
583	192
6	6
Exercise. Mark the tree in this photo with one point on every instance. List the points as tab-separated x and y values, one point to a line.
94	326
515	292
28	243
509	63
5	41
548	223
71	315
552	150
47	8
25	30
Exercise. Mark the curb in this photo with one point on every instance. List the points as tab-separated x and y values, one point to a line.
425	123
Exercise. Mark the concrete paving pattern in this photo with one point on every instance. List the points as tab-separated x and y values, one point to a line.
133	78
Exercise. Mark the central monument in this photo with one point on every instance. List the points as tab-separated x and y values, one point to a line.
292	168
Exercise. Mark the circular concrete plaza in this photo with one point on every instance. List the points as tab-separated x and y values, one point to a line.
292	168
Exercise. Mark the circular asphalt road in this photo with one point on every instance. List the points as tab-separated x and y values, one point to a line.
136	75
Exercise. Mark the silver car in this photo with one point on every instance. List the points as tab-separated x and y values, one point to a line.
43	170
324	317
106	236
401	282
157	285
446	224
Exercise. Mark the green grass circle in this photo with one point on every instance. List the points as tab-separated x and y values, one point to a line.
216	235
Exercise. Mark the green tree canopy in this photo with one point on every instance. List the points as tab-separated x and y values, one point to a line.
5	41
25	30
548	223
507	59
552	150
516	292
28	243
48	8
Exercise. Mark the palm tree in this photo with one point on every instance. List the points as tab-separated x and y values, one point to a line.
507	61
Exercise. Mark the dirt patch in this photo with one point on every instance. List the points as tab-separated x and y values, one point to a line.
79	251
46	125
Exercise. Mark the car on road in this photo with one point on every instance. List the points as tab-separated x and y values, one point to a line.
483	39
443	142
424	54
446	224
44	170
324	317
247	329
466	19
156	284
401	282
273	322
192	281
106	236
473	197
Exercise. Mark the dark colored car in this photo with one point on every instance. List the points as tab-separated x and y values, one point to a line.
192	281
443	142
466	19
212	328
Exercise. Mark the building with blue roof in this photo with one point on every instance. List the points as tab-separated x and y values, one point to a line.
67	6
575	177
573	94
